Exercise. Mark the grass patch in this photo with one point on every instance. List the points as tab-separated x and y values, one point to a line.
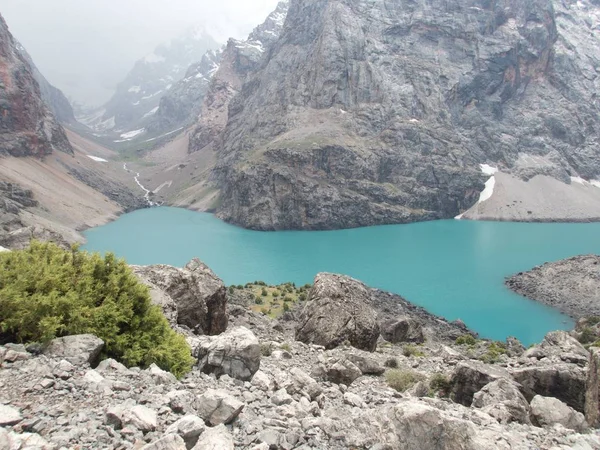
273	300
412	350
401	380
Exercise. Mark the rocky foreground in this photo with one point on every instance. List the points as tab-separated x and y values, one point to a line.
571	285
350	367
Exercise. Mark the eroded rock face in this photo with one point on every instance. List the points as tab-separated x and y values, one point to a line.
338	311
27	128
235	353
470	377
198	294
503	400
368	113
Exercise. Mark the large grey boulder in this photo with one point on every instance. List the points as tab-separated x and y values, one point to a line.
470	377
77	349
403	329
9	416
199	295
559	345
235	353
216	438
338	311
566	382
342	371
167	442
217	407
503	400
549	411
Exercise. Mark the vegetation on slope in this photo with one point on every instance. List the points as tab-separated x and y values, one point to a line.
273	301
47	292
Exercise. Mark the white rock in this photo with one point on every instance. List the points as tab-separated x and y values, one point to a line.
262	381
168	442
549	411
217	438
91	376
353	400
217	407
161	376
281	397
9	416
189	427
141	417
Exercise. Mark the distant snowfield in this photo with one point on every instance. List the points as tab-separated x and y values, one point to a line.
132	134
96	158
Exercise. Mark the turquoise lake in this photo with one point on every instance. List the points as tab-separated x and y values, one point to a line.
454	269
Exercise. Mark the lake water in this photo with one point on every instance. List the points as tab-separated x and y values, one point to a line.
452	268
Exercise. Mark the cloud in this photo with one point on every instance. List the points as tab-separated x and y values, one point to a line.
86	47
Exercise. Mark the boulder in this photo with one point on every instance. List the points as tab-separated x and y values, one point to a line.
77	349
161	376
189	428
366	364
9	416
342	371
235	353
281	397
141	417
514	347
592	393
549	411
470	377
181	401
217	438
296	381
560	346
403	329
503	400
338	311
199	295
167	442
217	407
566	382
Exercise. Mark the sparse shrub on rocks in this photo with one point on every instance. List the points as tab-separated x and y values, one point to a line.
439	384
285	346
302	297
412	350
494	352
466	339
286	307
401	380
266	349
392	363
47	292
587	336
264	292
258	300
231	289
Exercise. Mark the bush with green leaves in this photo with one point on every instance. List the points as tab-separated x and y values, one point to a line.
412	350
401	380
47	292
466	339
440	384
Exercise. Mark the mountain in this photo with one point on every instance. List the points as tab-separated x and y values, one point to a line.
210	84
365	113
28	127
54	97
137	98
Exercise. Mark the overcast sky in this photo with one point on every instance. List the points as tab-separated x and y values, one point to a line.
86	47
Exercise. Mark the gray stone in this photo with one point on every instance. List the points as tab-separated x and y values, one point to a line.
218	407
84	348
592	393
549	411
181	401
366	364
403	329
235	353
281	397
167	442
342	371
503	400
470	377
189	427
9	416
338	311
216	438
161	376
353	400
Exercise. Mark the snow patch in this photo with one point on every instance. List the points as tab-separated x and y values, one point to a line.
487	193
134	89
2	249
459	217
488	170
96	158
595	183
151	95
163	135
132	134
149	113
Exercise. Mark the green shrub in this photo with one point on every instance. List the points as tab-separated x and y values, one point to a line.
440	384
302	297
275	294
587	336
412	350
392	363
286	307
258	300
231	289
494	351
287	298
264	310
266	349
285	346
401	380
264	292
47	292
466	339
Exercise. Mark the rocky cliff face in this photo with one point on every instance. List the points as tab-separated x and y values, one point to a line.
368	113
54	97
27	127
238	61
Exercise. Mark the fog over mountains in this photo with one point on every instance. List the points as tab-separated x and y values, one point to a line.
87	48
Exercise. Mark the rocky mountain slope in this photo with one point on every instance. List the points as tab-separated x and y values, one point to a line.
54	98
571	285
137	97
262	384
367	113
27	128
